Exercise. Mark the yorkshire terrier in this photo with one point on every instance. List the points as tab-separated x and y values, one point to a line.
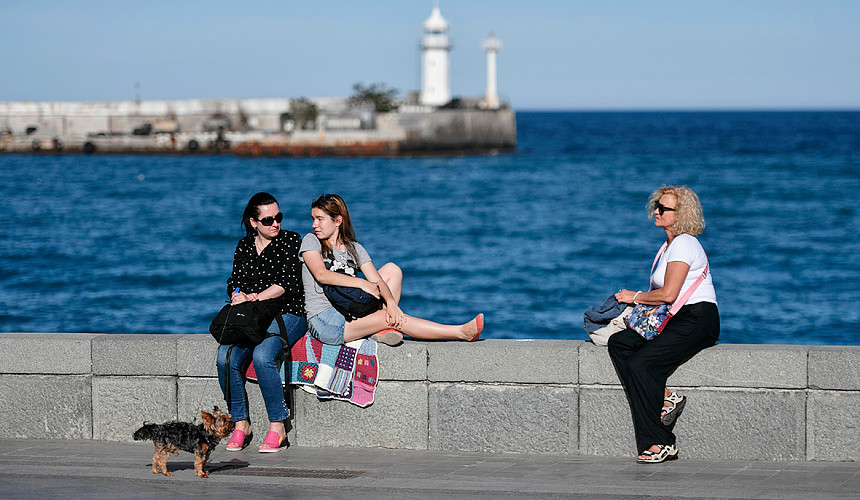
200	439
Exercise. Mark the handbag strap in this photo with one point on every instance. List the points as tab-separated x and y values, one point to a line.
689	293
656	258
280	319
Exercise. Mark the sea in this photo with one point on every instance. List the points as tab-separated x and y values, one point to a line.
144	244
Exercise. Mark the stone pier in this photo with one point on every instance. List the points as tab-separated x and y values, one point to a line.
558	397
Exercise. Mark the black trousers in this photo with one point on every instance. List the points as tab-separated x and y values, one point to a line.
644	365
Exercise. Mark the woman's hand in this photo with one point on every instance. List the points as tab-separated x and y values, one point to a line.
625	296
370	287
238	298
394	316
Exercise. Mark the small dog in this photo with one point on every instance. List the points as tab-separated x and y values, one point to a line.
200	439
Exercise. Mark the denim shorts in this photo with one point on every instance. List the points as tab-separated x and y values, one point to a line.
327	326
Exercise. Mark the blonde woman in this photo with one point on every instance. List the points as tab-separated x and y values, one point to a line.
644	365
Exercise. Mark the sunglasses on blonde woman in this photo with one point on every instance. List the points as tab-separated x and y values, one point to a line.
660	208
268	221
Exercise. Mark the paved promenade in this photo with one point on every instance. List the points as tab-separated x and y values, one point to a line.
34	469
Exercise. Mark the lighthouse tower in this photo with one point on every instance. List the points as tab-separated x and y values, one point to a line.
491	46
436	66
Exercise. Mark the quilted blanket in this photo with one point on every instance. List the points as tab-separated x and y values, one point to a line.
347	372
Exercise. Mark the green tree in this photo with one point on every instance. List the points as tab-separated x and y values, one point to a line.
378	95
303	112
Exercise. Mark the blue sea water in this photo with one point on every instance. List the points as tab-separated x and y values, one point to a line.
143	244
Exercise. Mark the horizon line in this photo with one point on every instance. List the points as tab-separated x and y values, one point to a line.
810	109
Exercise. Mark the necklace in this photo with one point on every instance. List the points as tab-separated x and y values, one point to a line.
261	246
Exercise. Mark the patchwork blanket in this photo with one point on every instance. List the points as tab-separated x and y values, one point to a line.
346	372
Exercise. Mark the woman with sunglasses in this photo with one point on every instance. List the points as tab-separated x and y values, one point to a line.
265	266
644	365
331	255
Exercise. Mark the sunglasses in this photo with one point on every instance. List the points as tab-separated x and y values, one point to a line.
660	208
268	221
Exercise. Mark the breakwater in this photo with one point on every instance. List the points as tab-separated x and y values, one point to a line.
253	127
759	402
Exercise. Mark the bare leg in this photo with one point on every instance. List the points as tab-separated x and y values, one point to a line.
393	277
278	427
244	426
414	327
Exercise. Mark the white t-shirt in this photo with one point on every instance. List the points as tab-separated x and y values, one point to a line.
687	249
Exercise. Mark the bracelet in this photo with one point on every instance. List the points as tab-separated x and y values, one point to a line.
634	296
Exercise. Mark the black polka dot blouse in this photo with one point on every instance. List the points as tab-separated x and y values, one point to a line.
278	264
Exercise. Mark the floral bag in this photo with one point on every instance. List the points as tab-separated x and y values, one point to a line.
650	320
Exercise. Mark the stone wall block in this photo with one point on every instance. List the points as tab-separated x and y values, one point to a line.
194	394
595	367
836	368
46	407
122	404
833	425
196	355
745	365
397	419
49	353
503	418
724	365
408	361
716	424
520	361
736	423
140	354
605	424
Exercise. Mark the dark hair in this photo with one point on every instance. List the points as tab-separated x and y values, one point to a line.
333	205
252	210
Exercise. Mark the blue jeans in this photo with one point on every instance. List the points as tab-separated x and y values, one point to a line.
267	357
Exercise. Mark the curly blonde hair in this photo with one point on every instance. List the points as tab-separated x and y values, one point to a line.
688	212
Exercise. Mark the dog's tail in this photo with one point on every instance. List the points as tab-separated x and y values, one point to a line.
144	432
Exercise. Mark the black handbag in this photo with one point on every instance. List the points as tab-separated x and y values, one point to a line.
246	324
352	302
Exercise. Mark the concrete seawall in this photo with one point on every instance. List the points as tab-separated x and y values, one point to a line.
758	402
251	127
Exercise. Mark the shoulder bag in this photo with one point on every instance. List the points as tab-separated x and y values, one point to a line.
246	324
352	302
650	320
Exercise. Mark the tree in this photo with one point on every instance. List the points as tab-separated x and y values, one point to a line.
378	95
303	112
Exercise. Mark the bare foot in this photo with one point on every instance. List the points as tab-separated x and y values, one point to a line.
653	449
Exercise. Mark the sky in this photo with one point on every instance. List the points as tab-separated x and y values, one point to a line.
556	54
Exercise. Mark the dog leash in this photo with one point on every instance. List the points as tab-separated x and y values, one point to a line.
226	392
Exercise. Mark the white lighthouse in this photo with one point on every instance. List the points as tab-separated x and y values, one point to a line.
491	46
436	65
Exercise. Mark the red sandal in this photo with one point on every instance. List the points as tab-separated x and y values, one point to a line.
479	322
